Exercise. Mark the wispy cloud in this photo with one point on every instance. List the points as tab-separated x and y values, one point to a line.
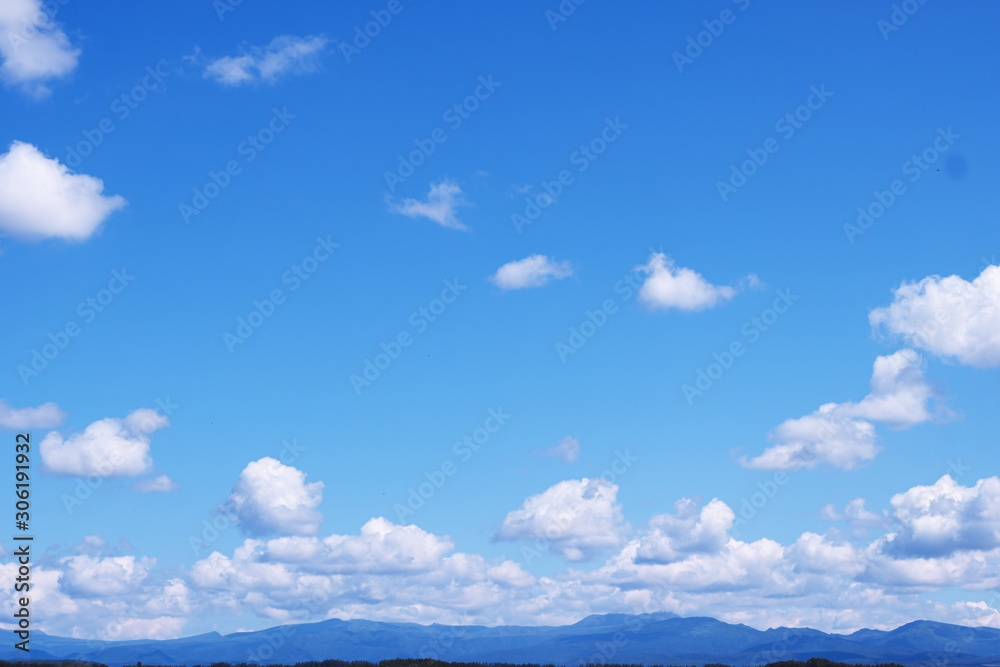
533	271
442	200
286	54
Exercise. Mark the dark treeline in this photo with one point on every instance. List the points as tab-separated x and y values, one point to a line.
402	662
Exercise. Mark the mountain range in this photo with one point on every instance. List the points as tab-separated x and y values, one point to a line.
660	638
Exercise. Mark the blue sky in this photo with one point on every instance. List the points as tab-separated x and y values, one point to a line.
522	172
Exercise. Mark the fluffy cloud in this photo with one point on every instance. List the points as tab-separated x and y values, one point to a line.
670	286
286	54
841	434
33	48
442	200
273	498
46	415
567	451
671	537
41	198
577	519
107	448
533	271
947	517
949	317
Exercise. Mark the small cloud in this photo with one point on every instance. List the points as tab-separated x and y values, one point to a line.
107	448
273	498
286	54
567	451
46	415
160	484
533	271
442	200
33	48
669	286
41	198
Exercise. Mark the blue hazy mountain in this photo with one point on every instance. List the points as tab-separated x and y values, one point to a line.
661	638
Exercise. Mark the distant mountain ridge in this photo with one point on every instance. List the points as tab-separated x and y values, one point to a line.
660	638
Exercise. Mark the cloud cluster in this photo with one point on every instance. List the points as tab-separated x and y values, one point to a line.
33	48
109	447
842	434
944	536
273	498
41	198
949	317
670	286
286	54
532	271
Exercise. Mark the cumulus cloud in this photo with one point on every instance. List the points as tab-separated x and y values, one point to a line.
533	271
107	448
273	498
567	451
672	537
842	434
442	200
46	415
286	54
41	198
577	519
949	317
669	286
34	49
946	517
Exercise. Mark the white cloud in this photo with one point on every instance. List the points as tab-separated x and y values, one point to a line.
856	515
948	317
158	484
286	54
41	198
107	448
533	271
442	200
576	518
841	434
33	48
46	415
567	451
273	498
672	537
947	517
670	286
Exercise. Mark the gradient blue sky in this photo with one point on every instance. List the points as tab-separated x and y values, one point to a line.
650	200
